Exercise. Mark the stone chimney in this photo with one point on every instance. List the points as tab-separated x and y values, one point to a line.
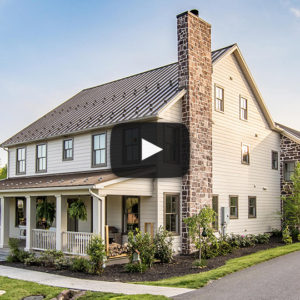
195	76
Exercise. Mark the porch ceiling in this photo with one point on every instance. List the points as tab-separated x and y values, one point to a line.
69	180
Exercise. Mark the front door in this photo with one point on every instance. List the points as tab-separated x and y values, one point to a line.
72	224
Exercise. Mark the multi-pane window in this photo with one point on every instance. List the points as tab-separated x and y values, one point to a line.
234	206
251	207
172	213
289	168
20	212
219	99
274	160
21	161
243	108
68	149
131	145
41	158
99	150
245	154
215	207
131	211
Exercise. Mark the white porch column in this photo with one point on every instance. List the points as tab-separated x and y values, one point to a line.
61	220
30	220
99	216
4	230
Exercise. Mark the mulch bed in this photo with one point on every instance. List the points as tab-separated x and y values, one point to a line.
181	265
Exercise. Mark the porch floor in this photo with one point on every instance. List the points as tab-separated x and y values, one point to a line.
90	285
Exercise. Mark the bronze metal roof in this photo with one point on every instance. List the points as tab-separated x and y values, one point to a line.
58	180
131	98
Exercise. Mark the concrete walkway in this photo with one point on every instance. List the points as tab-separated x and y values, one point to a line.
90	285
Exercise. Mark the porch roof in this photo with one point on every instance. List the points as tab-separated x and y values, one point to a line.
57	180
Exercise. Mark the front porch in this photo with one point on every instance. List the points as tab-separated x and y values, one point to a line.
111	211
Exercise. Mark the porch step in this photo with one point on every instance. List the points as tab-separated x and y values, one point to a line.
4	253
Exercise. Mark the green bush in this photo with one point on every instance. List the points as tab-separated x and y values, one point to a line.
294	233
163	242
277	233
32	260
62	263
263	238
200	263
135	268
143	244
96	251
16	255
80	264
49	257
286	236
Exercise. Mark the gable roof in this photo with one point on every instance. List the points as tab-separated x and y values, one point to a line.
140	96
289	132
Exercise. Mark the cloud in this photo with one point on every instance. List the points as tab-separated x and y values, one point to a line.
295	12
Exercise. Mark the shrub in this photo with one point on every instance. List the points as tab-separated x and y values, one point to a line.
298	237
144	245
62	263
14	250
48	257
96	251
200	263
277	233
294	233
286	236
163	242
80	264
135	268
263	238
32	260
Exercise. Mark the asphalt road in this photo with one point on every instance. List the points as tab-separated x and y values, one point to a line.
278	278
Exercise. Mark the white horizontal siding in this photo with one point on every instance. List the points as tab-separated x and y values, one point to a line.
230	177
82	160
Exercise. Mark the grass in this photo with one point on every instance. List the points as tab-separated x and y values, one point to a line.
18	289
195	281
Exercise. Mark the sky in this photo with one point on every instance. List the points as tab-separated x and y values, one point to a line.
52	49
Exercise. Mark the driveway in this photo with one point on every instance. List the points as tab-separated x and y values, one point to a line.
278	278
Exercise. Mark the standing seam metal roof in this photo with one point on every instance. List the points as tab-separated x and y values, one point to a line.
134	97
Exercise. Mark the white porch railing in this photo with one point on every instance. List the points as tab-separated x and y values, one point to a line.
76	242
43	239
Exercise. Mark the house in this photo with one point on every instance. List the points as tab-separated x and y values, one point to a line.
234	161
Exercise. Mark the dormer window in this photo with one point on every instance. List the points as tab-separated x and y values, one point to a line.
68	149
41	158
219	99
21	161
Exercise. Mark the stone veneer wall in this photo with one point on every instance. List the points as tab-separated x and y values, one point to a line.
290	151
195	75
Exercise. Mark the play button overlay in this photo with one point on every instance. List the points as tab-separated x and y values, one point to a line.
149	150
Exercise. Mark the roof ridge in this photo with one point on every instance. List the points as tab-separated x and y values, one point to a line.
227	47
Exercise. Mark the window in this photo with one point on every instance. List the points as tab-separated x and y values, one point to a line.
131	213
131	145
172	213
243	108
245	154
215	207
251	207
274	160
171	140
68	149
20	212
99	150
41	158
21	161
234	202
289	168
219	99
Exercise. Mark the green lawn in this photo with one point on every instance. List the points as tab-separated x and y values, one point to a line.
18	289
195	281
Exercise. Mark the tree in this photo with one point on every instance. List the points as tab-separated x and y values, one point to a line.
3	172
291	202
200	229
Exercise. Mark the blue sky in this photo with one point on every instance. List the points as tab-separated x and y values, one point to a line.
51	49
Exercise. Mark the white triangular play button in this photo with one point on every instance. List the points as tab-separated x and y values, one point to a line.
149	149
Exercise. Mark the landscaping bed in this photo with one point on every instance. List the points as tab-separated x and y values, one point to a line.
181	265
